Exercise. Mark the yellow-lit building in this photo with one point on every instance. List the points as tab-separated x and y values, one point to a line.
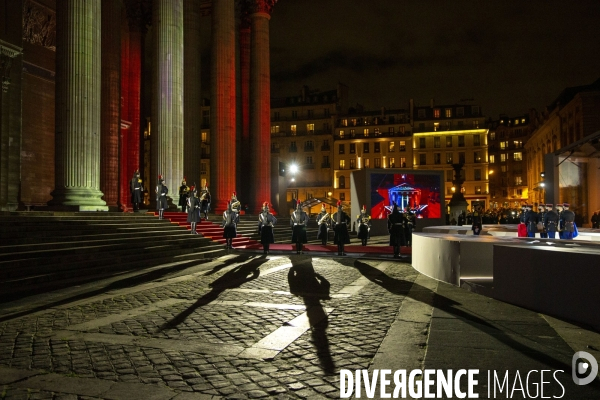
377	139
446	135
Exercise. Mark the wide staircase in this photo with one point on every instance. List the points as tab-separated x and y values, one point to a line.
40	252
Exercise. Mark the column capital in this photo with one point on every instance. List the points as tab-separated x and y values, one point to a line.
7	53
139	14
260	6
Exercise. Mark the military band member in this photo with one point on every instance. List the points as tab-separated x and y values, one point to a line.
341	222
395	225
569	222
161	196
136	189
522	228
236	206
184	191
204	202
229	224
364	225
323	222
540	224
561	222
298	222
477	220
411	225
193	206
266	222
531	220
551	221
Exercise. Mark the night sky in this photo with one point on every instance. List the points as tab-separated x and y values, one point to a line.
508	56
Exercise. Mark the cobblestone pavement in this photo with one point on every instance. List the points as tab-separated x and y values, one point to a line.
247	326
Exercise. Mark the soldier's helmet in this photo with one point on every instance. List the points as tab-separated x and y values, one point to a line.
160	179
183	181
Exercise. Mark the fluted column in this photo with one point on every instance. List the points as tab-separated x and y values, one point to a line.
192	95
167	113
260	107
244	156
78	92
125	121
111	101
222	103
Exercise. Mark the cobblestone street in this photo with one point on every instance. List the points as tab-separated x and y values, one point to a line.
247	326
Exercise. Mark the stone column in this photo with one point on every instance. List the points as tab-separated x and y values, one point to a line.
243	156
111	101
222	103
260	107
167	113
192	95
78	89
125	121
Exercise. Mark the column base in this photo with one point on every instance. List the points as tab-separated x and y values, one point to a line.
82	199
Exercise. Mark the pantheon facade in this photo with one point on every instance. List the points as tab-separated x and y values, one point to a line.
88	84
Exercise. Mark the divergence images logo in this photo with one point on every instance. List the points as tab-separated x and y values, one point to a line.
580	368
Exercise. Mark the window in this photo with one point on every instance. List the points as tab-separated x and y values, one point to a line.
477	189
475	124
517	156
310	128
377	131
275	129
403	162
204	137
310	113
448	113
353	163
326	112
377	162
276	116
342	164
475	110
461	141
422	143
309	160
365	147
477	156
309	145
421	113
377	147
402	146
203	168
206	118
519	192
436	113
504	145
325	162
503	157
353	121
492	135
391	147
460	111
518	144
492	158
392	163
352	132
341	149
352	148
366	132
294	114
293	130
401	129
503	168
448	141
477	174
518	180
437	158
391	130
476	140
422	159
344	122
449	158
461	157
342	182
437	142
448	175
342	196
367	163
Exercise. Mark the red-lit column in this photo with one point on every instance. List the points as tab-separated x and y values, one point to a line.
136	34
222	101
245	157
260	107
124	199
111	101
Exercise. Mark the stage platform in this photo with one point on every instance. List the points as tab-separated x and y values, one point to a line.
508	230
551	276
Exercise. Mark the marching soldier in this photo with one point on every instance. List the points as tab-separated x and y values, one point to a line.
193	206
323	221
540	224
531	220
184	192
551	222
266	222
569	222
411	225
136	189
229	224
395	225
298	222
161	196
477	220
204	202
341	221
364	225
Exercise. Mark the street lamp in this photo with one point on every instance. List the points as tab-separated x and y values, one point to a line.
293	168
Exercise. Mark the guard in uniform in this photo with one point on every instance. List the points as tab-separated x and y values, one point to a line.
340	221
595	220
266	222
205	202
136	189
395	224
561	222
531	220
184	192
323	222
193	206
298	222
236	206
229	224
161	196
477	221
364	225
522	228
540	225
569	221
411	225
551	222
